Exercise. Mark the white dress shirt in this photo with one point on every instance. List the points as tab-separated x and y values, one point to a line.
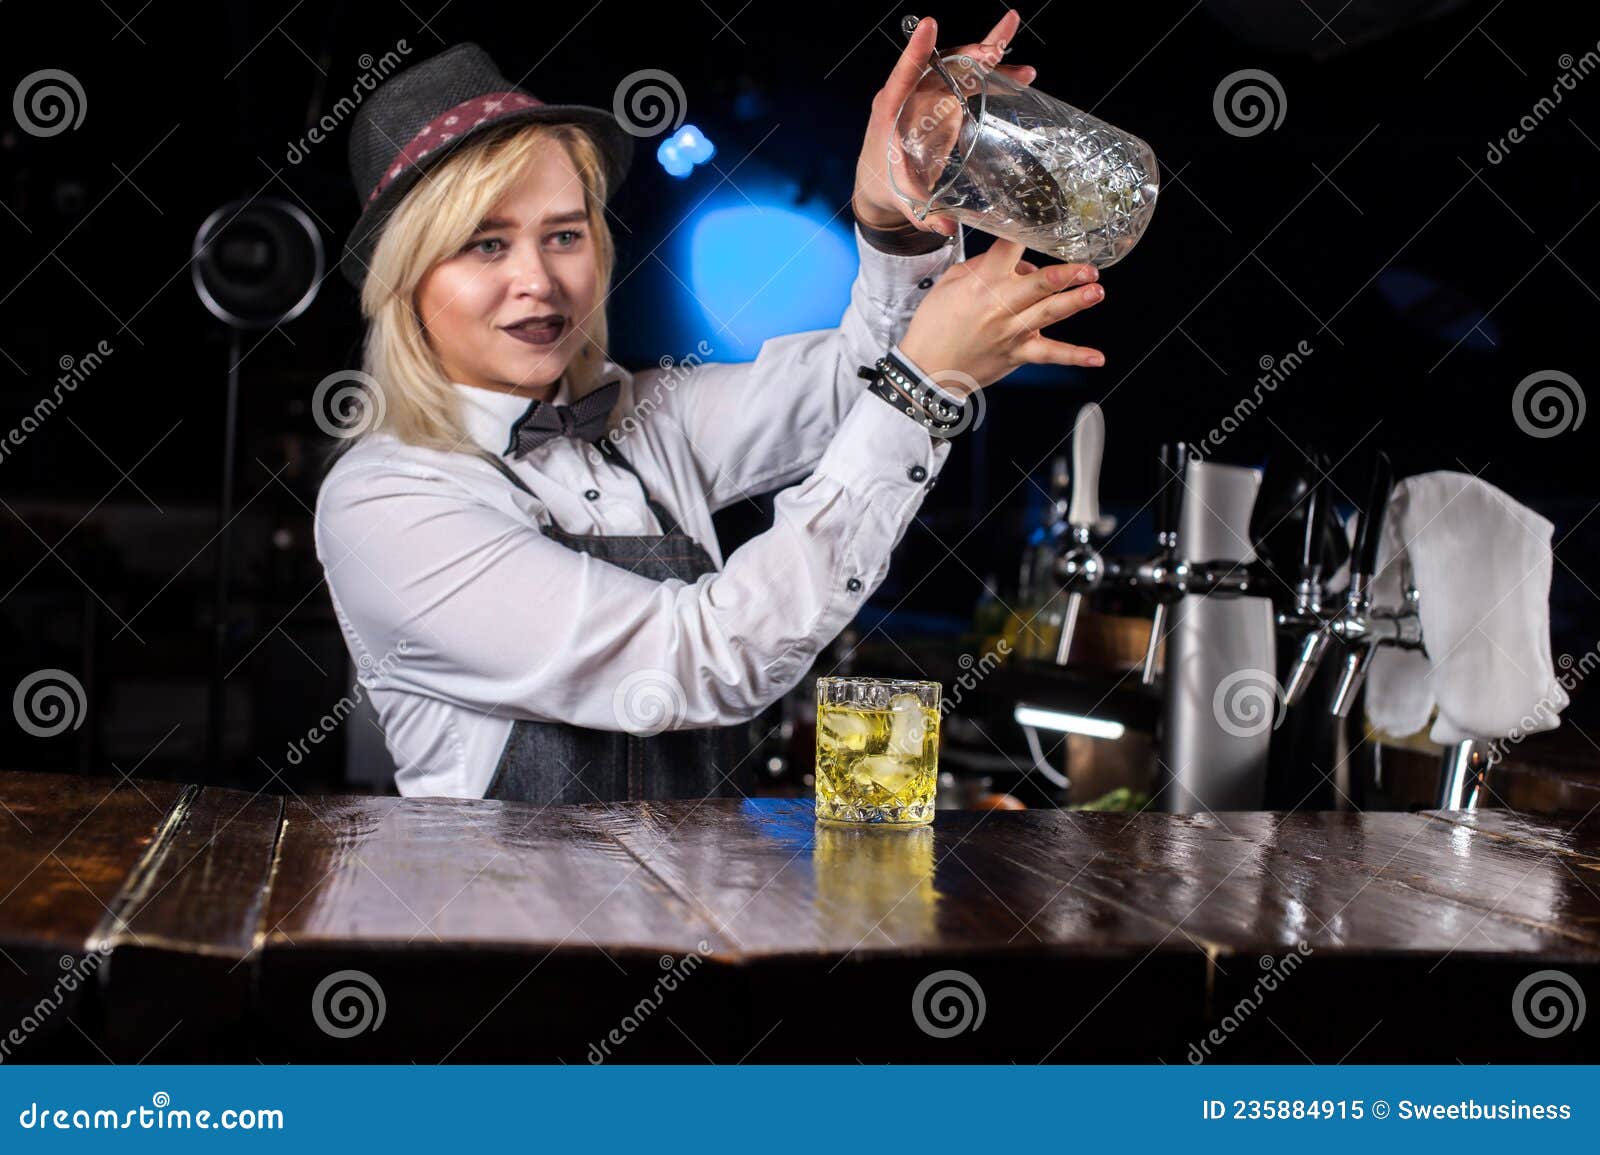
462	617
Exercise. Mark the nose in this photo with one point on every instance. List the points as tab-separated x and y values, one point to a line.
530	277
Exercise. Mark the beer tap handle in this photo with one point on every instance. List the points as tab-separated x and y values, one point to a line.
1369	532
1169	505
1311	545
1088	450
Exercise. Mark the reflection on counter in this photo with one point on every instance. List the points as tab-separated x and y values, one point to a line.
884	875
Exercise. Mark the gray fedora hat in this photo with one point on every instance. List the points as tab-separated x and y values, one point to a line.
419	117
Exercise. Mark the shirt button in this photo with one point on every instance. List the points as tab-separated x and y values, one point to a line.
853	585
917	473
925	283
592	494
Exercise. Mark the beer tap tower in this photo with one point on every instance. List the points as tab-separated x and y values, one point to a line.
1307	610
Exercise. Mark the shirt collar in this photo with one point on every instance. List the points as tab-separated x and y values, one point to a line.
488	414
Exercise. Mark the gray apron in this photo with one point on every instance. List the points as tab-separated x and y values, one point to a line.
555	762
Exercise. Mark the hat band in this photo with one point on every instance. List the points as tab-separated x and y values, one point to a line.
450	124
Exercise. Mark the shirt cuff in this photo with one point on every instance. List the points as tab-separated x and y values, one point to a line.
899	281
879	451
904	240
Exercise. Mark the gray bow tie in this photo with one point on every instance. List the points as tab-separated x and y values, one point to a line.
584	419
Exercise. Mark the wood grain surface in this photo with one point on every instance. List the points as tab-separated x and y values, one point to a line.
331	928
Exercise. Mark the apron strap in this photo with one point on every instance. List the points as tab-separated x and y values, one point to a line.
608	449
669	524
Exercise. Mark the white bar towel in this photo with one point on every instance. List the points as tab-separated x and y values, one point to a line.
1481	562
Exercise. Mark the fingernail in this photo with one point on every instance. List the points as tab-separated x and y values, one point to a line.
1093	293
1097	359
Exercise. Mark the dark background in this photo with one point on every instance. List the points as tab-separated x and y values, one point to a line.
1370	223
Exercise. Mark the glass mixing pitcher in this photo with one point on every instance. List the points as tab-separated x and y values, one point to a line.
1014	162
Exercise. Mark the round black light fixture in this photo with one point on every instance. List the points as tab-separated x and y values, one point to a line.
257	263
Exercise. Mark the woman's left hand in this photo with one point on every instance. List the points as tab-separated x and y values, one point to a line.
874	200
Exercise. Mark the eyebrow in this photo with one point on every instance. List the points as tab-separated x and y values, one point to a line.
558	219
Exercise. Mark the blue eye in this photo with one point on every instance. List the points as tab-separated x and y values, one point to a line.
475	245
575	234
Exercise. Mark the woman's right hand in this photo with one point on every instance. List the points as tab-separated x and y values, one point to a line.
984	317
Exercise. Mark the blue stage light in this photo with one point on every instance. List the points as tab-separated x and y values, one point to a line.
673	161
693	143
764	270
684	149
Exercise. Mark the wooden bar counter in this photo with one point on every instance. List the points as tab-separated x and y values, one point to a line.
216	925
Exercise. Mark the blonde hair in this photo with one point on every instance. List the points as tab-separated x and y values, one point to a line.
416	402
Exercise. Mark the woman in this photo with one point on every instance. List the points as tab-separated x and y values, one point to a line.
520	549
